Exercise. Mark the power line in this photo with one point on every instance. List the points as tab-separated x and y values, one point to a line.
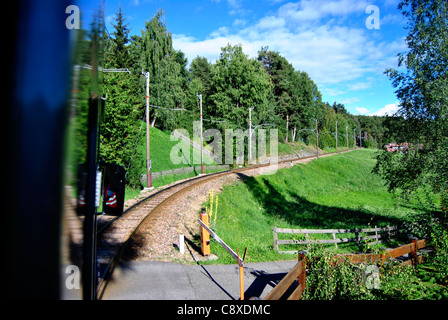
220	121
173	109
101	69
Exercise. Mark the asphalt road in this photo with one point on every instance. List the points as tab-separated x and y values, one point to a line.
152	280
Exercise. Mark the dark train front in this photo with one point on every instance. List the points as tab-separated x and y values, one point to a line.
56	183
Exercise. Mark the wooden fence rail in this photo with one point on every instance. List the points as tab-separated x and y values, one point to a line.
379	233
297	272
411	249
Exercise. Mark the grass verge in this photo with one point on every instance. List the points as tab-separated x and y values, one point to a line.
333	192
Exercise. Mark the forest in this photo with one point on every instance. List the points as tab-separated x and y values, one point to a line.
285	98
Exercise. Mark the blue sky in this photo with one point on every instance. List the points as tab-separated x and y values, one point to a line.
328	39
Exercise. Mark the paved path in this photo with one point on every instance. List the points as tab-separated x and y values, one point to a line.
152	280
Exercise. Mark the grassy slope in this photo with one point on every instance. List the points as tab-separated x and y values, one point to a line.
334	192
161	146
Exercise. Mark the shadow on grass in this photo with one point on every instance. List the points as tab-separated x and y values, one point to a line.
300	212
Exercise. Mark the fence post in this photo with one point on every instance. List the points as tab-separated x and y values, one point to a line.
274	231
357	236
413	253
376	235
334	238
302	275
205	236
181	244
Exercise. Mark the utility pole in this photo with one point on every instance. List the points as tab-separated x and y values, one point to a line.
317	139
360	138
250	136
336	136
346	133
148	154
202	138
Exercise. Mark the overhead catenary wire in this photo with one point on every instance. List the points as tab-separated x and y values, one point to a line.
219	121
101	69
172	109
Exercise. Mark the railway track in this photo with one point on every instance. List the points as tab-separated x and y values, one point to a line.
115	233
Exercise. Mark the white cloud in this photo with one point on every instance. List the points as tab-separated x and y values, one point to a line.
234	3
393	19
139	2
222	31
362	111
209	48
329	53
349	100
307	10
239	23
359	86
389	109
270	23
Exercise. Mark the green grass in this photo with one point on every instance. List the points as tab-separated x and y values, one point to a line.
160	147
333	192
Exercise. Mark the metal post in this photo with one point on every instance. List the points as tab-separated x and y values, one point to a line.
336	136
202	137
360	138
317	139
148	138
250	136
346	133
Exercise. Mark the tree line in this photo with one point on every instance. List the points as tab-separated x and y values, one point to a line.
279	95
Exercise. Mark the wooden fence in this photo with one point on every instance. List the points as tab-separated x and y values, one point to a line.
297	272
360	235
411	249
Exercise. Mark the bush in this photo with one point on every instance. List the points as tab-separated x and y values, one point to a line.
329	281
331	278
433	228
